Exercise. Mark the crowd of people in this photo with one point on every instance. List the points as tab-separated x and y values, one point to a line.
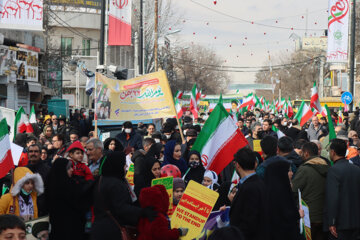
67	173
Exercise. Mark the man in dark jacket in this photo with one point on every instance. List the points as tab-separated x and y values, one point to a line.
269	148
129	138
36	165
247	210
286	150
310	178
267	129
342	194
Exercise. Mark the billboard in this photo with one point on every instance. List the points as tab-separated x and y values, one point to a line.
21	15
96	4
338	31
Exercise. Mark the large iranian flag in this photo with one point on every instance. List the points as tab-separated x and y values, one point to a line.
315	101
22	123
219	140
304	113
6	161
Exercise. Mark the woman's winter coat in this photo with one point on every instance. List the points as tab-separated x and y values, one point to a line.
21	175
66	203
158	198
112	200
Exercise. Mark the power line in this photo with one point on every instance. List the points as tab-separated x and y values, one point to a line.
69	27
252	22
247	67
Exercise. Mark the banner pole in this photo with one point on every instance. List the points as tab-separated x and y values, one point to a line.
95	106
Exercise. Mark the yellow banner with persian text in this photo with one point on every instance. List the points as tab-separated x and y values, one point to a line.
145	97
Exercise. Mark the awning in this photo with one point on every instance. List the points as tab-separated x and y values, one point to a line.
48	91
34	87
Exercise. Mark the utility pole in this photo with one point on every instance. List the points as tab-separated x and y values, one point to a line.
321	78
352	52
156	35
102	33
141	40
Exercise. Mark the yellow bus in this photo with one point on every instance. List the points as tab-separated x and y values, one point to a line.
332	102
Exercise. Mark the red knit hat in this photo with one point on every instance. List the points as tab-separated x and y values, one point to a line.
75	145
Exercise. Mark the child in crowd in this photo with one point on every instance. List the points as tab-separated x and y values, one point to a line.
178	191
76	155
210	180
156	197
12	227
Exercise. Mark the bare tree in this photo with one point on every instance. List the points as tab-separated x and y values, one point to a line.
295	73
195	64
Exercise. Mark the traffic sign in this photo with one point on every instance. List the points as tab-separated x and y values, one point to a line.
346	98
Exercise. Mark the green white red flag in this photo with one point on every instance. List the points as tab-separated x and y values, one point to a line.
340	116
178	108
22	123
193	101
290	111
304	113
315	100
32	118
179	94
6	160
219	140
248	101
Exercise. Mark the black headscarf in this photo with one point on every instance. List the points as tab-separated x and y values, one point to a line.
146	176
155	150
195	174
113	165
283	213
118	146
59	187
223	199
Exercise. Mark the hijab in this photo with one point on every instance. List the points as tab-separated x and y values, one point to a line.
214	177
113	165
169	159
118	146
194	173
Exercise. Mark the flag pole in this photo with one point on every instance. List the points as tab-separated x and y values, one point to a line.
95	106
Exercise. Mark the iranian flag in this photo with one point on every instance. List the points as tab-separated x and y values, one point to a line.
315	101
219	140
6	161
22	123
193	101
279	133
179	94
304	113
290	111
248	101
178	108
340	116
32	118
120	23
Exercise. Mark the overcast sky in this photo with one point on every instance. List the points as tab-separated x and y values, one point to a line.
258	40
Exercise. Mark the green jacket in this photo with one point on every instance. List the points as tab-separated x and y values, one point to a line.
310	178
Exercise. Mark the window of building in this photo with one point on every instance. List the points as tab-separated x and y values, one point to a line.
66	46
86	43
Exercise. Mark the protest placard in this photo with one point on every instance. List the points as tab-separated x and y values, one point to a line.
130	175
145	97
194	209
168	183
257	146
